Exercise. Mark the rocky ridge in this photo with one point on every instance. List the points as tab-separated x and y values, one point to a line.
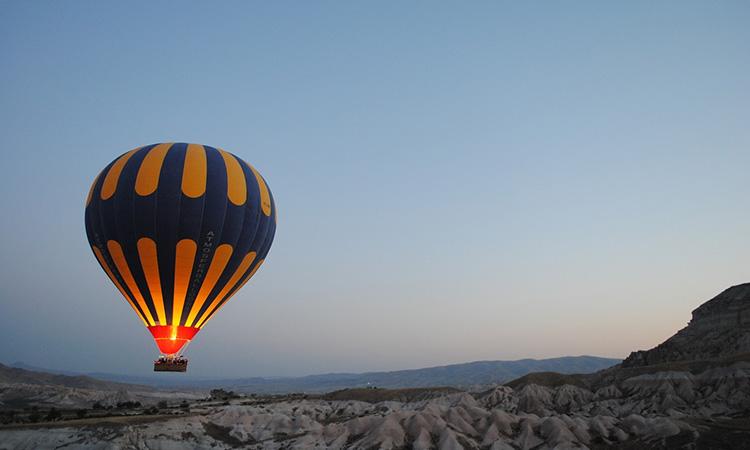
719	328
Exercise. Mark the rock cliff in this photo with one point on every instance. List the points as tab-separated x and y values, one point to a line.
719	329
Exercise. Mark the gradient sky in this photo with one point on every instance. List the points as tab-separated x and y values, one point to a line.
455	181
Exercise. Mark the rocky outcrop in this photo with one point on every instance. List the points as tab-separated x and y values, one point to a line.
719	328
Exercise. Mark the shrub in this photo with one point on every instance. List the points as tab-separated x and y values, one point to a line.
128	405
53	414
8	417
221	394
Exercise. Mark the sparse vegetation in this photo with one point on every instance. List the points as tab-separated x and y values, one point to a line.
551	379
8	417
53	415
128	405
380	395
221	394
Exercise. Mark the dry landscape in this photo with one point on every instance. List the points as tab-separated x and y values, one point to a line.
692	391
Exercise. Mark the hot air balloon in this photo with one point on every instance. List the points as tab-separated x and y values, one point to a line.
179	229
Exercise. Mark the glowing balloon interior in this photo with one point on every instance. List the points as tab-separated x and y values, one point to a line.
179	229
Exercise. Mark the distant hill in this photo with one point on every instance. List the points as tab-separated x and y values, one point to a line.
15	375
472	375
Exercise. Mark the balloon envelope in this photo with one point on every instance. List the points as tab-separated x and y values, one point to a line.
179	228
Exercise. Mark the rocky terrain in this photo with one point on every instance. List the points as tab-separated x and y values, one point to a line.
660	410
691	392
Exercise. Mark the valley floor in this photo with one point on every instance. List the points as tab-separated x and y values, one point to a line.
658	410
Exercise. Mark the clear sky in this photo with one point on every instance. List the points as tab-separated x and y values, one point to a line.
455	181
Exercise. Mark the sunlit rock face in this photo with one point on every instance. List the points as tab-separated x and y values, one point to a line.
720	328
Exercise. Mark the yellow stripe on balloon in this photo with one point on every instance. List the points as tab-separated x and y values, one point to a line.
236	187
194	171
91	189
148	175
117	284
122	266
218	263
150	265
265	196
183	267
244	265
113	176
255	269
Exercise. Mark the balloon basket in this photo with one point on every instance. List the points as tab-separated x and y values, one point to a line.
168	364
